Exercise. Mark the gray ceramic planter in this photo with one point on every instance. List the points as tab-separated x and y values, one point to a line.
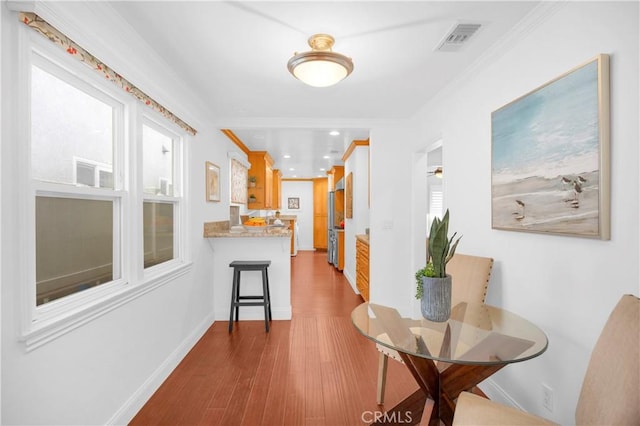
436	299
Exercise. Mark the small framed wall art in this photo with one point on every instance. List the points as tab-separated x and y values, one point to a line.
238	182
550	156
293	203
212	181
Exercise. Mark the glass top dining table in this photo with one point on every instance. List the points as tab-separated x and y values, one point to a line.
447	358
474	334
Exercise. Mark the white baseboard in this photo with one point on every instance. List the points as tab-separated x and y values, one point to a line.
351	280
140	397
496	393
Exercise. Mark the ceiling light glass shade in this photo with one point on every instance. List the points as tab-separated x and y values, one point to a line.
320	67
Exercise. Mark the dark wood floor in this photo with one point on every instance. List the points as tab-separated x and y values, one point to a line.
313	370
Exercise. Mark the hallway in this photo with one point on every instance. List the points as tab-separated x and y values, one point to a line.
313	370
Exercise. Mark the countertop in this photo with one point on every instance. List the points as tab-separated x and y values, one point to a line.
363	237
221	230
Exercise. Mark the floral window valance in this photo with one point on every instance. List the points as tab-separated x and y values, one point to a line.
40	25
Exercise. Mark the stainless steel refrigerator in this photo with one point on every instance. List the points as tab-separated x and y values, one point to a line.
332	238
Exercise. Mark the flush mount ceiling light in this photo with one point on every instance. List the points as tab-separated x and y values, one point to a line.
320	67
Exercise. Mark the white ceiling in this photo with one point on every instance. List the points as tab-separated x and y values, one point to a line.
234	55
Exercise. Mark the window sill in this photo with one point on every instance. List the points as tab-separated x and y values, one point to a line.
44	332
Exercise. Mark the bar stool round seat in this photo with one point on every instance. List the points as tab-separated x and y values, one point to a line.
254	300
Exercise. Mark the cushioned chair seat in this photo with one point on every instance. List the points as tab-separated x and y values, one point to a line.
610	392
477	410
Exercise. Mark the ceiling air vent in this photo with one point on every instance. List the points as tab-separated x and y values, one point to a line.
457	37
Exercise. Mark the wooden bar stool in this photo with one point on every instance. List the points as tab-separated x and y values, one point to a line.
259	300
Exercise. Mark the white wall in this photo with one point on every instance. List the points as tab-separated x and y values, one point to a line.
391	268
105	369
3	99
358	164
303	190
568	296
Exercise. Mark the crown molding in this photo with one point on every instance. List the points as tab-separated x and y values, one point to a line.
236	140
352	147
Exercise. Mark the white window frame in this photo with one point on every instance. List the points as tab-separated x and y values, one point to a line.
177	149
58	307
42	324
436	196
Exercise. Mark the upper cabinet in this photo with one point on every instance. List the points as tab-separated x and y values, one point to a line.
260	195
277	190
334	175
320	200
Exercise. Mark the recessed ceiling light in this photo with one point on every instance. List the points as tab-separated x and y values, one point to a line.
286	156
327	156
291	169
334	133
322	169
295	175
320	176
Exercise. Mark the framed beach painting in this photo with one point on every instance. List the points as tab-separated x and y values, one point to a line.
212	181
550	156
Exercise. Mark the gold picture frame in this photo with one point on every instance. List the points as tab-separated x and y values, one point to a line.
212	181
550	156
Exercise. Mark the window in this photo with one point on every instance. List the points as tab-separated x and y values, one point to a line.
157	159
69	120
158	233
73	139
106	194
160	150
435	201
74	246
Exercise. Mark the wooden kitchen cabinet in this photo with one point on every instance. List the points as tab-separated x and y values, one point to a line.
262	169
320	201
292	227
335	174
362	266
340	250
277	190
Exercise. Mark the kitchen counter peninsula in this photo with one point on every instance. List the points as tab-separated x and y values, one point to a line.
272	244
289	220
222	230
